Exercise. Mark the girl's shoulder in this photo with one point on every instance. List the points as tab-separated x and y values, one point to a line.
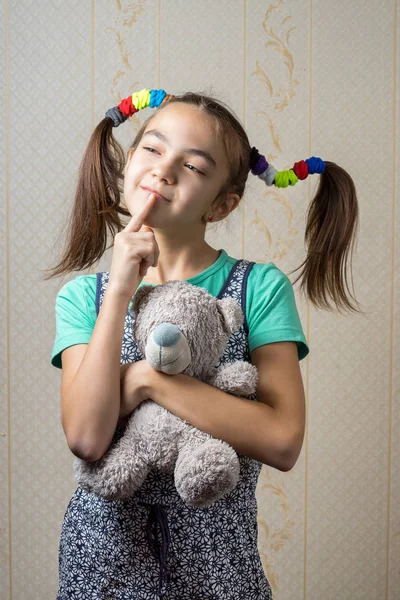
262	276
269	290
264	282
271	308
81	287
75	311
266	267
268	276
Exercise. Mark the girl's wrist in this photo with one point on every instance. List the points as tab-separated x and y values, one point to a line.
150	381
118	294
138	382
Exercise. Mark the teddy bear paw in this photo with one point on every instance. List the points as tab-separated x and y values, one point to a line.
111	480
239	378
206	473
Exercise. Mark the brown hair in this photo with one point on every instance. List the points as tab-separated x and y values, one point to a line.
332	216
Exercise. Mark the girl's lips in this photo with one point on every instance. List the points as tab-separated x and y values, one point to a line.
155	192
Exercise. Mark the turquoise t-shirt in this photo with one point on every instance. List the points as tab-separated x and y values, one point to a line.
271	310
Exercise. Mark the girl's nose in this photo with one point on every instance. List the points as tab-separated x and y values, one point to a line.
164	171
166	334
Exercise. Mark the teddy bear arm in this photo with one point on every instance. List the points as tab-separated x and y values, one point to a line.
239	378
119	473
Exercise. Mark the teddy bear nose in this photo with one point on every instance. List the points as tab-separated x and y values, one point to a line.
166	334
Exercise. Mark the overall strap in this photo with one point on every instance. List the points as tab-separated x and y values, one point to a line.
129	350
235	285
99	277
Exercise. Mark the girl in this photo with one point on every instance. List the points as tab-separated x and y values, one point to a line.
187	166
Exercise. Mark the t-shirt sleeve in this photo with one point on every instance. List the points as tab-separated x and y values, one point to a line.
75	315
271	310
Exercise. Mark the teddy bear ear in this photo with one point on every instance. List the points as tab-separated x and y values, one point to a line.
231	313
143	291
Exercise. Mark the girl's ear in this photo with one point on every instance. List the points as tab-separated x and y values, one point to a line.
232	200
140	293
226	204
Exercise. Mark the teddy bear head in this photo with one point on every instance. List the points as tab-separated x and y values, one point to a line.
181	328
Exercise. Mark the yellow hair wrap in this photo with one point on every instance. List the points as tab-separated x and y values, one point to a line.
285	178
141	99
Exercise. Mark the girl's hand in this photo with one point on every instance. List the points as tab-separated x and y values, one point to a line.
135	379
135	250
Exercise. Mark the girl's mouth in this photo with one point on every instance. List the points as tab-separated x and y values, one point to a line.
160	196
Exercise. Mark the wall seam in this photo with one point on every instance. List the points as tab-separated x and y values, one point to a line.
244	109
7	282
391	336
159	45
308	327
91	268
92	61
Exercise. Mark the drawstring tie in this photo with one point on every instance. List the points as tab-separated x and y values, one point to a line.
157	523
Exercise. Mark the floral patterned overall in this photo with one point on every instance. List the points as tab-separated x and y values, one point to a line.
152	545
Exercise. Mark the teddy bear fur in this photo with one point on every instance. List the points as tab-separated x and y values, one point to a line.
179	328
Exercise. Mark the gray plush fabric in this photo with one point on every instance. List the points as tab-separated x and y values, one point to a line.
179	328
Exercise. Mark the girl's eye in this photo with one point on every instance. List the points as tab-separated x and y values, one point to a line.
149	149
190	167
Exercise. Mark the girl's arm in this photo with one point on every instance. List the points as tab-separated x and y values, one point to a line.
91	373
270	430
90	388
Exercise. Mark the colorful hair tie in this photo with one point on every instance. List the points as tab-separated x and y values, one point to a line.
271	176
315	165
131	105
258	164
268	176
285	178
301	169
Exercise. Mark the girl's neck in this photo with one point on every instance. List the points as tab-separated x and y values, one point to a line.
180	261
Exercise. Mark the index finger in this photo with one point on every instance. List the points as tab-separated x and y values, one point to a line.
138	219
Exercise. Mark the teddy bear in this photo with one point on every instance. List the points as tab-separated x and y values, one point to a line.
178	328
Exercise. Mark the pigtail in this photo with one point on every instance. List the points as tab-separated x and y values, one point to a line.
330	237
96	210
332	221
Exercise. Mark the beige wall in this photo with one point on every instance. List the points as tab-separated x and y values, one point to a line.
307	77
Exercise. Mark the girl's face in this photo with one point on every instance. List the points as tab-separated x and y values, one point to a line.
181	159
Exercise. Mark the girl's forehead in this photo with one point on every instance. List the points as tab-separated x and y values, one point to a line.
187	126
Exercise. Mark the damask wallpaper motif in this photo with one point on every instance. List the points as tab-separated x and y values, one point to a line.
306	78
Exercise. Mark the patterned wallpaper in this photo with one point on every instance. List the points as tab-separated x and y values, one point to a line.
306	78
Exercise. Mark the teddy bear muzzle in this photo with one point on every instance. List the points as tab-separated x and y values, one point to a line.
167	349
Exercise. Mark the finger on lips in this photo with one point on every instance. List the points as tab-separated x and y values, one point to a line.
137	220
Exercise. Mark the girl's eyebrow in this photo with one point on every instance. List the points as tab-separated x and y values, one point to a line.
195	151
